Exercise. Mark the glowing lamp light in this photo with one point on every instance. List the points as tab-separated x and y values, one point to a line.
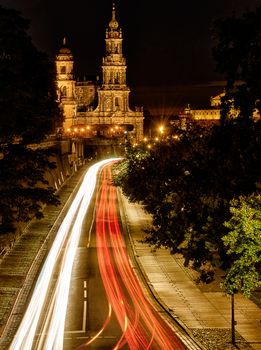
161	129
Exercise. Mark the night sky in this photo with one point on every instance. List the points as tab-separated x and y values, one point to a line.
167	44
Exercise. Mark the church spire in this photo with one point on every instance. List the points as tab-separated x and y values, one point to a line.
113	10
113	23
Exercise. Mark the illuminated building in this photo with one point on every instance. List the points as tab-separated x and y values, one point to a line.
111	115
212	114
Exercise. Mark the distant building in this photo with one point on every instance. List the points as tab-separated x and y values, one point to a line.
212	113
94	109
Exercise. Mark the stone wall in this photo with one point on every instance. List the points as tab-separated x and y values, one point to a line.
56	178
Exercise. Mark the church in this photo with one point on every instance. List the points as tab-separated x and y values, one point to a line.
93	109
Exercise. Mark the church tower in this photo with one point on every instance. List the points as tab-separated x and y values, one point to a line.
66	84
113	95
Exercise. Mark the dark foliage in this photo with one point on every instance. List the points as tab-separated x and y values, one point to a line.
28	108
28	113
237	52
187	185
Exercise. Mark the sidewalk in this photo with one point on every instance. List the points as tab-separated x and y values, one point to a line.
203	309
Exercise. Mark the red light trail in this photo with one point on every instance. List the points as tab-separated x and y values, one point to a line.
142	327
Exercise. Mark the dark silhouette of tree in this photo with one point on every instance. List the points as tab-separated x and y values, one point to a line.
237	52
187	184
28	113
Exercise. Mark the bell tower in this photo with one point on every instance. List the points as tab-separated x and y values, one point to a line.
113	95
66	83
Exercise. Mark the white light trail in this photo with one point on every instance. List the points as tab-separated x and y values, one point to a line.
54	328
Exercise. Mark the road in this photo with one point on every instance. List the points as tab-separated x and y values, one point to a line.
116	313
87	295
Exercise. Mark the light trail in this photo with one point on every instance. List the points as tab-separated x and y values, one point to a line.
69	233
142	328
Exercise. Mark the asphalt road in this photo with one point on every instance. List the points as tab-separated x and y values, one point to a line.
88	307
107	308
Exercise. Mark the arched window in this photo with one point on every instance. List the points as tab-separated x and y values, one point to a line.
64	91
63	70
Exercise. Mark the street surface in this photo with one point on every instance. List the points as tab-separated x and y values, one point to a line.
87	295
199	315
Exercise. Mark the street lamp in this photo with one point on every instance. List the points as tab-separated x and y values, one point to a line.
161	129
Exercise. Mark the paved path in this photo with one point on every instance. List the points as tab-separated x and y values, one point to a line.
196	307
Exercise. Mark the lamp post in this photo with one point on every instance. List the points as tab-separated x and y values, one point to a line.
233	322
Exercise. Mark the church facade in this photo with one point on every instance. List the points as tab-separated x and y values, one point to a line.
92	109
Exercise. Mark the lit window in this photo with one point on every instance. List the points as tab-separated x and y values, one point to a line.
64	91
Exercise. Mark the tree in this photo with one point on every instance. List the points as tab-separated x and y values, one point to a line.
243	243
163	180
238	55
187	184
28	114
27	90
